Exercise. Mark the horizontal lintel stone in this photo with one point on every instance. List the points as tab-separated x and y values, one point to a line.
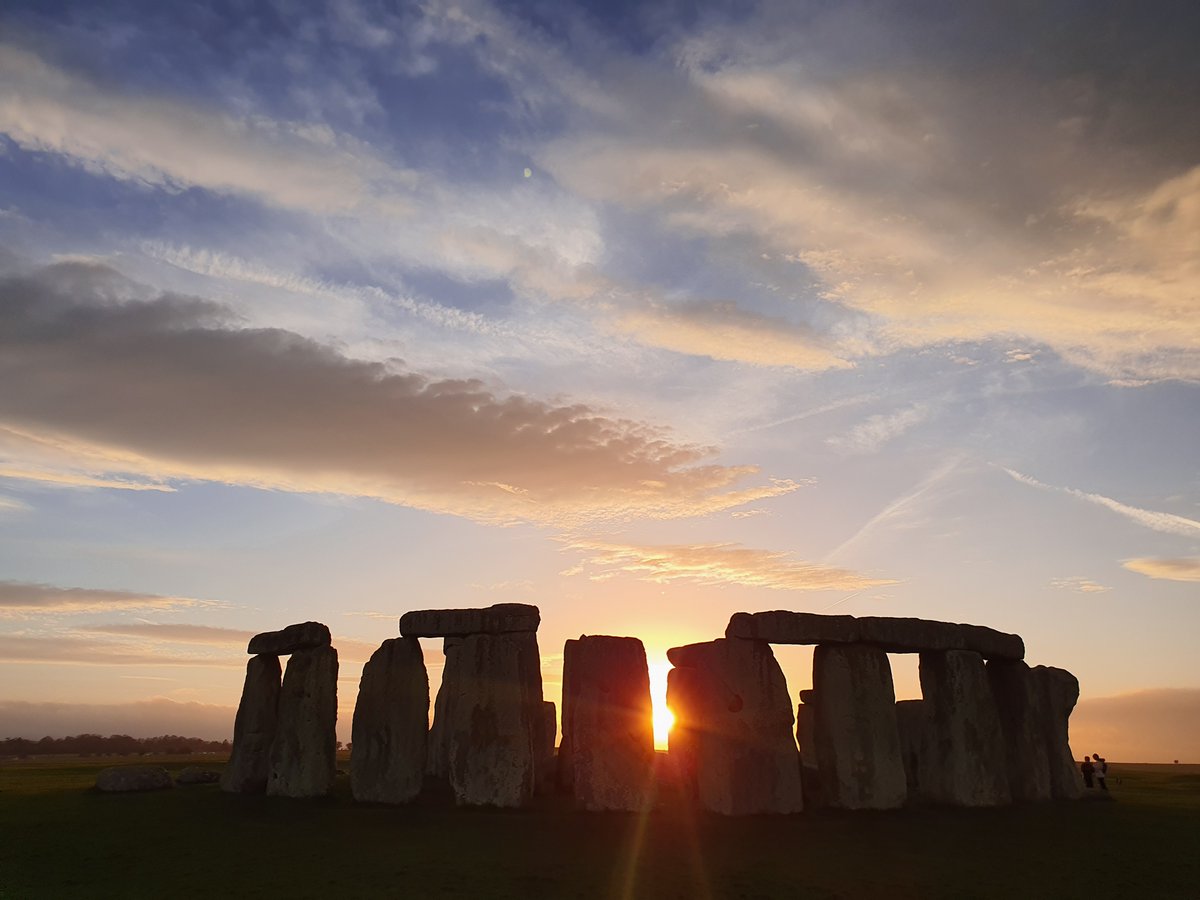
893	635
503	618
301	636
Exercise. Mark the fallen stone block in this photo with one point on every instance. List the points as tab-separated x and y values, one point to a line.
122	779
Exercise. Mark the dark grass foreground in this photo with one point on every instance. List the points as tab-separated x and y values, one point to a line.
58	838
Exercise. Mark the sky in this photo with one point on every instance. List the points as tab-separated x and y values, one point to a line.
643	313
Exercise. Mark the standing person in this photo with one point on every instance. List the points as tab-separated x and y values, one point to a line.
1088	770
1101	771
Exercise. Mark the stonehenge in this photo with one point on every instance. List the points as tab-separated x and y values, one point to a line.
284	740
989	729
391	718
736	717
607	754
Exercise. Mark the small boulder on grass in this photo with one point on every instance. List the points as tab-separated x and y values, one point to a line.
133	778
197	775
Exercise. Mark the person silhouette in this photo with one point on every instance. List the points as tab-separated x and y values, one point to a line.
1101	771
1088	770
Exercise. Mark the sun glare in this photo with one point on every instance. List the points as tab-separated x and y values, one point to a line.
663	717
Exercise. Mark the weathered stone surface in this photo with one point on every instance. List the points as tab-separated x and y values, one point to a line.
737	720
547	732
810	773
1059	690
1023	718
437	762
197	775
608	722
893	635
302	636
133	778
685	694
967	765
303	754
254	728
502	618
914	724
391	720
857	742
494	710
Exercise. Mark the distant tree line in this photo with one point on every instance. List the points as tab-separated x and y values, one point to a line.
113	745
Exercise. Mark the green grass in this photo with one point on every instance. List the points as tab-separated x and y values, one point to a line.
58	838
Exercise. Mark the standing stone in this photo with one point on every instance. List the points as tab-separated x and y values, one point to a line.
857	742
254	728
546	734
391	718
606	707
968	766
810	773
739	727
1023	719
437	763
917	747
1059	690
685	691
493	719
303	754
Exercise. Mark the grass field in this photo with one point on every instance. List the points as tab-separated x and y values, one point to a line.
59	838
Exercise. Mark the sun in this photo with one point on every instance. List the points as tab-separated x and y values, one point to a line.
663	717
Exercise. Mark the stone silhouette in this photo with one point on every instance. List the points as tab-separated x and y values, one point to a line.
854	728
1024	720
302	636
254	728
303	754
1059	690
437	763
608	730
969	768
738	744
503	618
391	720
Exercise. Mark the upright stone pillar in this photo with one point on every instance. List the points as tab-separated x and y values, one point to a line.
304	752
918	749
254	728
493	719
437	762
391	720
606	707
740	727
810	772
1059	690
685	700
546	733
857	742
969	768
1023	720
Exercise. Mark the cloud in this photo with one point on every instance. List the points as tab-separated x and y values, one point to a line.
169	143
941	203
24	597
871	435
12	504
143	718
1079	585
710	564
1167	523
725	331
174	633
1153	725
1179	569
171	388
67	650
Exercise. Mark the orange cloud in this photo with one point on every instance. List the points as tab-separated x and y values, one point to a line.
1185	568
716	564
1153	725
25	597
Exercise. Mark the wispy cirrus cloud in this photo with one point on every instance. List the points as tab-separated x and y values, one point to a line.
164	142
130	384
870	435
714	564
90	651
1167	523
26	597
349	649
1185	568
1080	585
